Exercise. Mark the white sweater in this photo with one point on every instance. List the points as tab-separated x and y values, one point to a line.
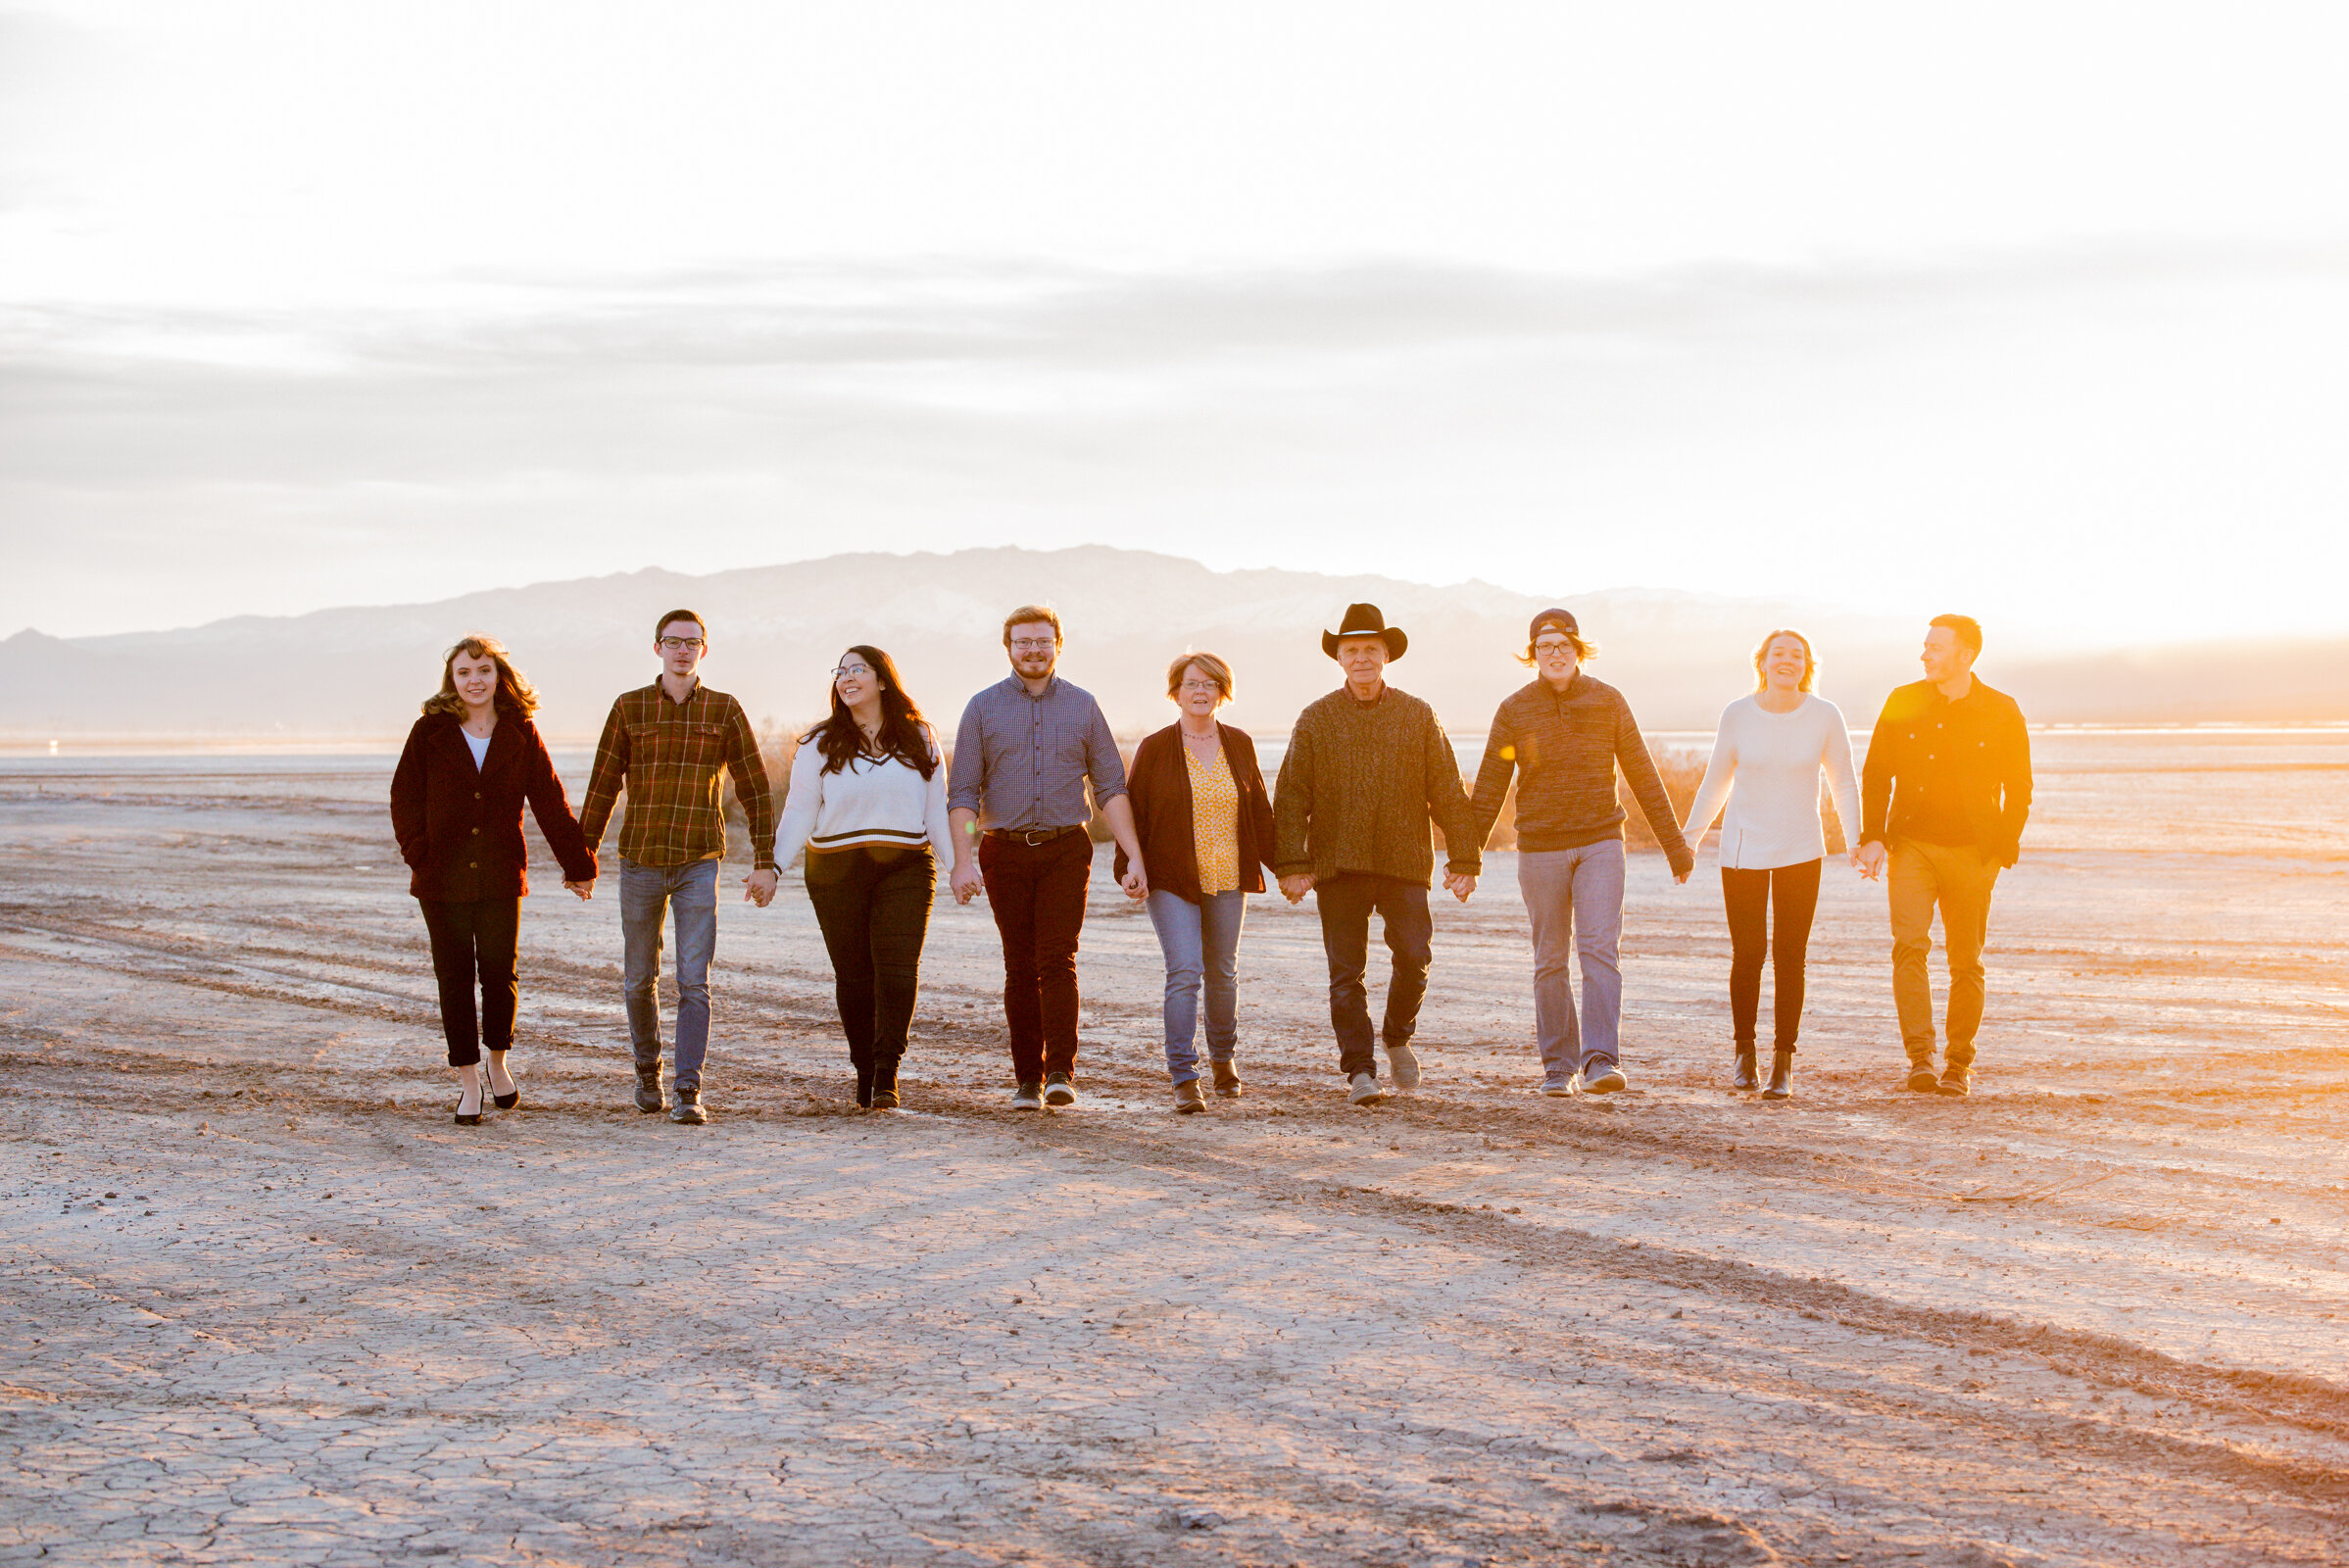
1773	760
868	801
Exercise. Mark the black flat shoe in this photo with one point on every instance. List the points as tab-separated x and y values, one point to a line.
464	1120
507	1102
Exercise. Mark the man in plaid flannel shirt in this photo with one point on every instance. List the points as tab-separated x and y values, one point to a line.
666	743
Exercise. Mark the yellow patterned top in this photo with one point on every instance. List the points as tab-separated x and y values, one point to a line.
1215	821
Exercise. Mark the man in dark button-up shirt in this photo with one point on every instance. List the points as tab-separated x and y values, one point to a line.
1945	791
1023	754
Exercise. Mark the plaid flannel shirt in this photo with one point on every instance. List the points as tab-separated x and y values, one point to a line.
668	755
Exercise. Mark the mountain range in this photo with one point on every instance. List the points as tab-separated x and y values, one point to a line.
359	672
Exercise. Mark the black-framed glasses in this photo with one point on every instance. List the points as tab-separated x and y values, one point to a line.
672	644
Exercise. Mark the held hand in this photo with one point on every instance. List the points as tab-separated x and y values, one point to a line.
968	881
1136	881
1294	888
1460	885
1871	859
585	890
759	886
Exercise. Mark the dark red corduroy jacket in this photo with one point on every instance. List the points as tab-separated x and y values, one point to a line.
460	827
1158	785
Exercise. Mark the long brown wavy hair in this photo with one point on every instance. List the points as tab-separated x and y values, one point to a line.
901	733
513	694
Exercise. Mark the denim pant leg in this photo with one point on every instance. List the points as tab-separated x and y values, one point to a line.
693	902
1410	935
1545	879
1220	919
1180	936
1344	904
643	906
1599	940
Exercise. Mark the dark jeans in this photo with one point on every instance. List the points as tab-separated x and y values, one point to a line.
1346	903
873	902
475	943
1791	894
1038	895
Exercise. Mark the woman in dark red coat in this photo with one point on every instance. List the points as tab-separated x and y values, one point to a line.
456	806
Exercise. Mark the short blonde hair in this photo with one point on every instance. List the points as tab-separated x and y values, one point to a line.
1029	614
1761	652
1216	670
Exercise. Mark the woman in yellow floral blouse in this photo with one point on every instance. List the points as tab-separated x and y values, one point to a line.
1205	823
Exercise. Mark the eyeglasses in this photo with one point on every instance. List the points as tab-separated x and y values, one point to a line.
1554	645
1194	688
851	671
1034	645
669	644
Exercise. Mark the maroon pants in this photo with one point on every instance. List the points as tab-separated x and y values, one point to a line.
1038	895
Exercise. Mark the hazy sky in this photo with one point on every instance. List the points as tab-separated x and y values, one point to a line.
2038	310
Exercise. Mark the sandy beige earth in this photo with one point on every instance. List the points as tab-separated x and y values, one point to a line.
265	1304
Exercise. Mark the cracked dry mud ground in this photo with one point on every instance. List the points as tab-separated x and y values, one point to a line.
265	1304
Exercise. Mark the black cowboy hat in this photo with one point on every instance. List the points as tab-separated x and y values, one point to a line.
1364	620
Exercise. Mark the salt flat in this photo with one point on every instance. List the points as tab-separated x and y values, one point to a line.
265	1304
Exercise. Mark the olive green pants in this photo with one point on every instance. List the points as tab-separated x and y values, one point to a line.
1956	879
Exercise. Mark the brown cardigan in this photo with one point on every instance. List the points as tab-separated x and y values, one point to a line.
1158	783
460	827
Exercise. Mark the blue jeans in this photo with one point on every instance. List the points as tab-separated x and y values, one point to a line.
648	893
1574	898
1201	941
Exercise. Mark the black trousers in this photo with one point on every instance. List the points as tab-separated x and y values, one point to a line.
1789	895
1346	903
1037	893
473	944
873	904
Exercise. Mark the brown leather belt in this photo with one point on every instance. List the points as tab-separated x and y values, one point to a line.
1031	836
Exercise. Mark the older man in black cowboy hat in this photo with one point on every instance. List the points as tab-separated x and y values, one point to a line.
1368	768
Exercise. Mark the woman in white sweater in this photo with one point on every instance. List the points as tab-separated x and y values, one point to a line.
1767	759
867	803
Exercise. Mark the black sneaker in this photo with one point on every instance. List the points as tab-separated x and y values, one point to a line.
687	1112
1059	1090
1028	1096
648	1090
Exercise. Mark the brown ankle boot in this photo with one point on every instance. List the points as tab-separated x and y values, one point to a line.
1227	1079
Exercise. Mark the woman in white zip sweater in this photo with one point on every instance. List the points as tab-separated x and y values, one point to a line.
867	804
1766	762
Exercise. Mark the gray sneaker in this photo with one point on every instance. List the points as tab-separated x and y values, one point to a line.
1604	1077
1365	1089
687	1112
1058	1089
1402	1066
648	1090
1558	1089
1030	1096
